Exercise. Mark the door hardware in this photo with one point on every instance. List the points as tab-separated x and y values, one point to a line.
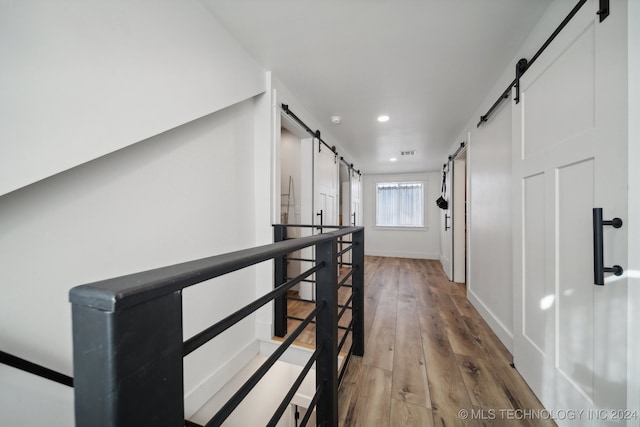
598	248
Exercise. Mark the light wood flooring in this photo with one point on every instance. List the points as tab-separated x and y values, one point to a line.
429	355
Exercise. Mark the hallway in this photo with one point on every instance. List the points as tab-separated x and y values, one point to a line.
430	359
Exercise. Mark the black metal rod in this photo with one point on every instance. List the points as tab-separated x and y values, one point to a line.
307	280
300	299
235	400
205	336
345	363
344	337
294	388
312	405
345	250
346	277
299	319
35	369
455	154
337	227
350	165
315	134
546	44
345	307
557	31
300	259
503	96
345	241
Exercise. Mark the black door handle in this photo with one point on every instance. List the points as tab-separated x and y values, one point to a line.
446	217
598	250
354	219
320	214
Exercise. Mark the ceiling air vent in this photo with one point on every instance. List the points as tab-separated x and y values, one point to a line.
408	153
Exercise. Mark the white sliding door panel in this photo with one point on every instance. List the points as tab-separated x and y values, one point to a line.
326	182
574	280
545	127
569	137
356	199
534	283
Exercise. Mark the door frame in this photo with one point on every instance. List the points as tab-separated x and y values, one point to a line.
459	186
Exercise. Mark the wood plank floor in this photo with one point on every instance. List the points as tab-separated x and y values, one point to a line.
428	356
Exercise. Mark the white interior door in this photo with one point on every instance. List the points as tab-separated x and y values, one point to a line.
569	156
326	183
356	201
323	205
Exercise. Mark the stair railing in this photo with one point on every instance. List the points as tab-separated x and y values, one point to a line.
128	345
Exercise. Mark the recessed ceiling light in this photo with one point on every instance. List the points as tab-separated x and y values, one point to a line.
336	120
393	159
383	119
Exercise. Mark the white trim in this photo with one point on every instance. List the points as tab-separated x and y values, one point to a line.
196	398
501	331
402	254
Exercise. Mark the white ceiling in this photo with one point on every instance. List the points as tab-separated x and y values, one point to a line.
427	64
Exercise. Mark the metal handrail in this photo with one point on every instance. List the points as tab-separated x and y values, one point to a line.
128	343
132	289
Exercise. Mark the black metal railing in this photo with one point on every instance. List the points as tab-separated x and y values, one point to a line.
128	345
354	299
35	369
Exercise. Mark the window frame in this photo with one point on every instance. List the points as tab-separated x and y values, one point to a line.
423	227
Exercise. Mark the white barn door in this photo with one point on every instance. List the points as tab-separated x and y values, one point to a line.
326	182
321	183
569	156
356	201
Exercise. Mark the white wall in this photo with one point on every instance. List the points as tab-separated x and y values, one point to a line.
633	269
20	406
133	137
489	281
489	223
175	197
83	79
413	243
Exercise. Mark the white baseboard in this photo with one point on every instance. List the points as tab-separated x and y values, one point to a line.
201	394
294	355
504	334
402	254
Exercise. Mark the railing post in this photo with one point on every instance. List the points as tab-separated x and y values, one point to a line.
279	277
327	333
127	360
358	292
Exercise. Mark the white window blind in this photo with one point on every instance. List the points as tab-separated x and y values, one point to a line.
400	204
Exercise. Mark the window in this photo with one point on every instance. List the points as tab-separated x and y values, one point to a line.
400	204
